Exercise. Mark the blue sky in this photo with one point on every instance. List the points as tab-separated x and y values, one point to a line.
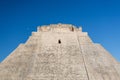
100	18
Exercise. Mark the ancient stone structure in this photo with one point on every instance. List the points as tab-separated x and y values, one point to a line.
59	52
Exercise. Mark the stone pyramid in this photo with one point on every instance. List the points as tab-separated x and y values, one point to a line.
59	52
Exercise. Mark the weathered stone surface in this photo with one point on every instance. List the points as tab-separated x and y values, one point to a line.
59	52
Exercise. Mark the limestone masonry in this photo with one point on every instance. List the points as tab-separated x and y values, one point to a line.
59	52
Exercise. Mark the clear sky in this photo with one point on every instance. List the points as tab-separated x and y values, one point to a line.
100	18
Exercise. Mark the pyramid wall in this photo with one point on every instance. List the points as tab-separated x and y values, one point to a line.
59	52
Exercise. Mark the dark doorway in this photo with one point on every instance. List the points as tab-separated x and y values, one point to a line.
59	41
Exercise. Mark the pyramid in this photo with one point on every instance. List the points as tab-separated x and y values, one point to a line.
59	52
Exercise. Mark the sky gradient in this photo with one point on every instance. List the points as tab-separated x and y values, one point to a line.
100	18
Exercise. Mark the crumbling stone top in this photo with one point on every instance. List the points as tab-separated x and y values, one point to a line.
59	27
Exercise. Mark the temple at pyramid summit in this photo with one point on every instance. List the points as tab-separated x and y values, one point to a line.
59	52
